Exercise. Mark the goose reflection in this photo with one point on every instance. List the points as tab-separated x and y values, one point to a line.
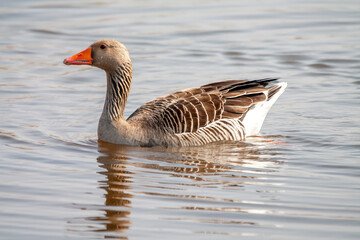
117	199
195	163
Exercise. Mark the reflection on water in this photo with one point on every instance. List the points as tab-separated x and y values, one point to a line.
116	186
57	181
229	165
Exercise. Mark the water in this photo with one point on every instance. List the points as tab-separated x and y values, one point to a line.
298	180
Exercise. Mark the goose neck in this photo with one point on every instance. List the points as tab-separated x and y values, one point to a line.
118	87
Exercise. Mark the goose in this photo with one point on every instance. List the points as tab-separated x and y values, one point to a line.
222	111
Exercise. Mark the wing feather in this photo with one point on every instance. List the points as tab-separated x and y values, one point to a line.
193	109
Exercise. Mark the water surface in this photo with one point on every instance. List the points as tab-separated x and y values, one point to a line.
298	180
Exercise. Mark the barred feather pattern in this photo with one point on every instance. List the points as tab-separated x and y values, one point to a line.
222	130
202	115
119	82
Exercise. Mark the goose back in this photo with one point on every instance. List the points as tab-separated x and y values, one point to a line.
205	114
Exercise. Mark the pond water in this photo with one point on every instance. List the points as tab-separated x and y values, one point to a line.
298	180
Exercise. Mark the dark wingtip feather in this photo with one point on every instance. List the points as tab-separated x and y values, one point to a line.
265	81
247	84
273	90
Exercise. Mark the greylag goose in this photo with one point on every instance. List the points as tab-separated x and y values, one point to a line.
220	111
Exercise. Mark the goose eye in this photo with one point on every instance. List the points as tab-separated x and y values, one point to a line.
102	46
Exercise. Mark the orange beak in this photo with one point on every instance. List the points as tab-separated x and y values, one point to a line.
81	58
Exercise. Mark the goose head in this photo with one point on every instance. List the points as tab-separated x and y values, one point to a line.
106	54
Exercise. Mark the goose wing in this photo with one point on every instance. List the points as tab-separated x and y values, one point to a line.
189	110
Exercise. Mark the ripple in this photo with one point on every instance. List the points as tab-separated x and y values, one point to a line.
57	180
46	31
340	61
320	65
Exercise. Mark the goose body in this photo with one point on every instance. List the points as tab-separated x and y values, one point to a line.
228	110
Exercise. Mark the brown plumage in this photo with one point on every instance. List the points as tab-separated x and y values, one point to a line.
190	109
196	116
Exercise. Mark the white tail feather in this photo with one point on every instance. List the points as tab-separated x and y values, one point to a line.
254	119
